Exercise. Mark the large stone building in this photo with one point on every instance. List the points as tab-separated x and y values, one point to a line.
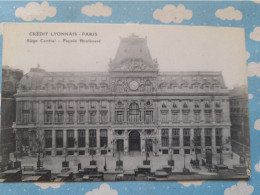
132	107
239	117
10	79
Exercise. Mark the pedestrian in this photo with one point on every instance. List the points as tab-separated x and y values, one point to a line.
79	166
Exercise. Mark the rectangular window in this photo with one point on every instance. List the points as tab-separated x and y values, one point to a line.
48	138
175	117
207	116
59	117
71	104
92	138
218	136
186	137
59	105
26	106
81	117
48	105
186	117
26	116
103	104
92	117
81	104
103	116
48	117
59	138
103	137
165	137
197	116
148	116
92	104
25	137
81	138
164	117
197	137
70	117
119	116
175	137
208	137
70	139
218	116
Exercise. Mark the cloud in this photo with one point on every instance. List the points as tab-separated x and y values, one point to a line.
49	185
255	35
35	11
250	96
253	69
257	124
170	13
104	189
228	13
189	183
247	55
257	167
97	10
242	188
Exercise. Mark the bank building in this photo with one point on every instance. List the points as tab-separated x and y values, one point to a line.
130	108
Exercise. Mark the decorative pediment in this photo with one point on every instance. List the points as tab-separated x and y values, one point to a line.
134	65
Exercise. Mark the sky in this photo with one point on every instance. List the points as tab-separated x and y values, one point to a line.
176	48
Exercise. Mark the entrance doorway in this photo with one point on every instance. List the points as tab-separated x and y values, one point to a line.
134	141
120	145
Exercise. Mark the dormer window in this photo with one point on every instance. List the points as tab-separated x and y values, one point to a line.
217	104
174	105
164	105
207	104
48	105
59	105
196	104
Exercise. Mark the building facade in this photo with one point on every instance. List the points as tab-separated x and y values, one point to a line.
10	80
132	107
239	117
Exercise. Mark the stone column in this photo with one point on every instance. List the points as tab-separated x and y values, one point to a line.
181	137
126	145
109	132
213	139
53	150
98	140
170	137
203	140
64	138
86	141
142	144
76	141
40	116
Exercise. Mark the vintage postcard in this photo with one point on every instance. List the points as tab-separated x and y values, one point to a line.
132	102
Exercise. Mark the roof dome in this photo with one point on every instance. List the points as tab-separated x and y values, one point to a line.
32	80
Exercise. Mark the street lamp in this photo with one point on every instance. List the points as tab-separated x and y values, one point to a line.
155	141
113	142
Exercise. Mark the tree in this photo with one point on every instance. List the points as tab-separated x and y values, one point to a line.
196	142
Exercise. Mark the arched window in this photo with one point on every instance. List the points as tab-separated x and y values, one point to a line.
134	114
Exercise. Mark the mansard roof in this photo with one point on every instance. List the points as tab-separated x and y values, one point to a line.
133	55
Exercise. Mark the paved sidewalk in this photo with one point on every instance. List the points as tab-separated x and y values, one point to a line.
130	162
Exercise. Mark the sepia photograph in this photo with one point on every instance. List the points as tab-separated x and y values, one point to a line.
123	102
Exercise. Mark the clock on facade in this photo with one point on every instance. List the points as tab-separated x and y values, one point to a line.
133	85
